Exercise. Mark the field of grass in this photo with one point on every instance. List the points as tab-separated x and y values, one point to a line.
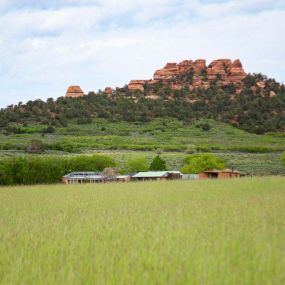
182	232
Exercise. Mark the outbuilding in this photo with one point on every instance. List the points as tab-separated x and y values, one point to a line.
122	178
215	173
157	175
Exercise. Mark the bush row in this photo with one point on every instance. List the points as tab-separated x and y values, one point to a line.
73	147
33	169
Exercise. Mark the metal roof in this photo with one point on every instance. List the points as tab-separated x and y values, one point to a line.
122	176
154	174
220	171
84	175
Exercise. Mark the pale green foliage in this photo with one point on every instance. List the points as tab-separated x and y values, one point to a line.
137	164
182	232
159	151
200	162
191	149
110	172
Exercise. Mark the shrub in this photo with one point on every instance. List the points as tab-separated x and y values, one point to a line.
49	130
191	149
283	158
159	151
84	120
110	172
35	146
137	164
203	126
206	127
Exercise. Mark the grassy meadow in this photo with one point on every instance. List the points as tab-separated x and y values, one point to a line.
180	232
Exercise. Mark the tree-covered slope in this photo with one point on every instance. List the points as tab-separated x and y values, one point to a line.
256	108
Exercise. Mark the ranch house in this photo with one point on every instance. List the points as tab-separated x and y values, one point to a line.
83	177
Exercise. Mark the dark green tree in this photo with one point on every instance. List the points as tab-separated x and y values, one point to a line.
158	164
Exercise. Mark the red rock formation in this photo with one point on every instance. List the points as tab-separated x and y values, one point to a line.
169	71
272	94
176	86
218	69
261	84
199	65
223	70
74	92
237	73
137	84
185	66
152	81
108	90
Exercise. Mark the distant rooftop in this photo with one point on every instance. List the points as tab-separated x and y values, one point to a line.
218	171
84	175
154	174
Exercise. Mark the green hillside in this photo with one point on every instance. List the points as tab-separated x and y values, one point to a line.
168	134
253	109
250	153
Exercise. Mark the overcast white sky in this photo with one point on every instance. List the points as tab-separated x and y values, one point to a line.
45	46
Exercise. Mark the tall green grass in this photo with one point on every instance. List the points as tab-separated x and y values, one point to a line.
184	232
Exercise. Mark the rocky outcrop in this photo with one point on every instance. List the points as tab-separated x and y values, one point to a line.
237	73
169	71
261	84
272	94
74	92
199	65
137	84
219	69
185	65
224	71
108	91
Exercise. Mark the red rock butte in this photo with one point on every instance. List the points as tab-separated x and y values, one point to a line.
225	71
74	92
